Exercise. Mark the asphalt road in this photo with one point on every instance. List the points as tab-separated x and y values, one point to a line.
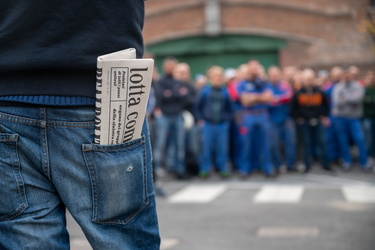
293	212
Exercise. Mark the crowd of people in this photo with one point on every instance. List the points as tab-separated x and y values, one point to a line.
237	121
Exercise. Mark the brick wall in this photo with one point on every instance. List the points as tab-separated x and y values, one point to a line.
318	33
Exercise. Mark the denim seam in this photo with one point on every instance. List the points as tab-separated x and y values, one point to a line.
147	201
20	187
20	181
8	140
115	149
45	152
93	185
44	142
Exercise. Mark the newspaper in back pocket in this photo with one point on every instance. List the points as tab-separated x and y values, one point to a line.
122	90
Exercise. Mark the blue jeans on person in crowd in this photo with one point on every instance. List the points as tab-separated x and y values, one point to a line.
259	123
284	134
313	140
235	143
48	163
170	140
351	127
369	130
192	146
332	141
214	141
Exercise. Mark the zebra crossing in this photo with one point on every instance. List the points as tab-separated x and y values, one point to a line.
272	193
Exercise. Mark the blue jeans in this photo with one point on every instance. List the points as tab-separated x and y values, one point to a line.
313	140
369	130
284	134
346	128
332	141
235	144
255	126
48	163
169	131
215	140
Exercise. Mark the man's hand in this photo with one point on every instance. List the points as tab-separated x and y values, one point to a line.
249	99
326	122
183	91
300	120
167	93
200	123
157	112
266	97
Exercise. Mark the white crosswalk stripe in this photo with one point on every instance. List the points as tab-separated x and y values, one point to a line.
279	194
167	244
198	193
271	194
359	194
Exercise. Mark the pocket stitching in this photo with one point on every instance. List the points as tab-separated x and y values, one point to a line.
95	187
131	216
20	186
92	173
130	145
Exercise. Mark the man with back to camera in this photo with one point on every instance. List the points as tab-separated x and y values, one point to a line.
48	161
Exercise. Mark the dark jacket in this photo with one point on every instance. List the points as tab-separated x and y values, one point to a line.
172	95
50	47
213	105
369	103
309	104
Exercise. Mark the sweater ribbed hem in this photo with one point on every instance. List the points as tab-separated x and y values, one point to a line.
49	100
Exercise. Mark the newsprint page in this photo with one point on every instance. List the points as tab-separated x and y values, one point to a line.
122	90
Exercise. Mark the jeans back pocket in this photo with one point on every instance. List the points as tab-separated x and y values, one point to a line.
118	180
12	187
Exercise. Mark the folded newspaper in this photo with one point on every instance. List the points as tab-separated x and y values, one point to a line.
122	90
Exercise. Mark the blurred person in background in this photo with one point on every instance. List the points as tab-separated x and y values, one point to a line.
290	75
230	76
255	96
283	129
200	81
241	74
262	72
214	112
332	136
151	105
309	108
369	113
347	110
182	73
235	138
172	96
354	72
322	78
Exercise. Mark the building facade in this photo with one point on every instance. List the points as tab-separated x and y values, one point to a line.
302	33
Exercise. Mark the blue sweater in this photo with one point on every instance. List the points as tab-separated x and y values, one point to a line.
49	48
279	110
213	105
256	86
